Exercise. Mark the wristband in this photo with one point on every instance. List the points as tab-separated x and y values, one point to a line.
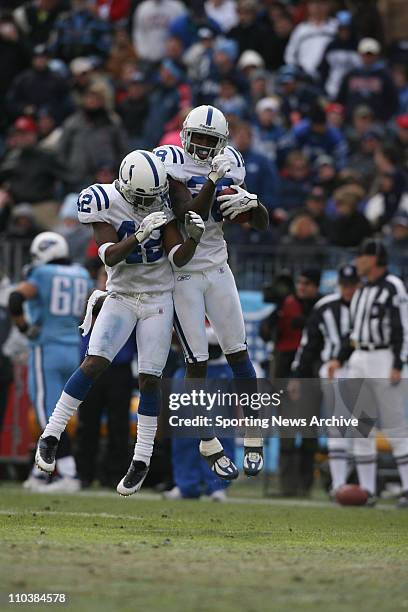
102	250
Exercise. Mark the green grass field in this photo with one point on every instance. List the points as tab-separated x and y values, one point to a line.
112	554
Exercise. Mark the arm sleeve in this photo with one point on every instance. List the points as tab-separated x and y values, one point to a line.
399	325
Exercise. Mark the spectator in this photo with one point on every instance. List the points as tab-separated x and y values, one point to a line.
249	33
249	62
315	206
298	98
187	25
397	243
222	66
121	51
295	182
36	19
363	121
48	133
325	173
340	55
350	227
39	86
90	137
400	77
267	127
134	109
229	101
29	174
175	51
279	25
75	233
363	158
259	87
223	12
314	137
79	33
400	140
310	38
335	115
171	95
115	11
14	58
261	175
84	75
151	24
369	84
390	200
303	232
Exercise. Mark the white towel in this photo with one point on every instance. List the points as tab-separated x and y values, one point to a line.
87	322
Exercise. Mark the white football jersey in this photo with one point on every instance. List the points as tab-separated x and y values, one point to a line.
212	249
147	268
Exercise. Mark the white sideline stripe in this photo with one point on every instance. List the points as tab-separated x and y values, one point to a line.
288	503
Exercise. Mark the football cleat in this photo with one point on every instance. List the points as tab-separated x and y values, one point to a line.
253	460
45	454
222	466
62	484
134	478
36	483
403	500
371	500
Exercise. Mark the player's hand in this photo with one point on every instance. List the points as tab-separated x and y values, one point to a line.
395	376
332	368
220	165
194	225
149	224
235	204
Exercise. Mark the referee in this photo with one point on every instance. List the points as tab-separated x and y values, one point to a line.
326	331
378	349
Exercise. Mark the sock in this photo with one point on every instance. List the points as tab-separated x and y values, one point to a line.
66	467
366	470
146	432
402	463
210	447
243	369
338	468
149	408
73	394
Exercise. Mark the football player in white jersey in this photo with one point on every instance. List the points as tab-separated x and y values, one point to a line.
137	237
206	287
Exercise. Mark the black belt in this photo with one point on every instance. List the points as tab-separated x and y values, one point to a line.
371	347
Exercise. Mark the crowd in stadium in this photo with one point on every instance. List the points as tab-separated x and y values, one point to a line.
323	133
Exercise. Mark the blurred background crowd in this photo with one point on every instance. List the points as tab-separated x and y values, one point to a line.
315	92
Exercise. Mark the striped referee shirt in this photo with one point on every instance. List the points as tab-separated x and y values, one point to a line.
379	318
326	331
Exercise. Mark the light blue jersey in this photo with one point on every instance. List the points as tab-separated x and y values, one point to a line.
58	307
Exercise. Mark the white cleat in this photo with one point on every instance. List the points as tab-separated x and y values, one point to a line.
132	482
219	496
46	453
173	494
62	485
35	483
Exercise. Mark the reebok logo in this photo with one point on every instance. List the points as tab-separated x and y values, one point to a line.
183	277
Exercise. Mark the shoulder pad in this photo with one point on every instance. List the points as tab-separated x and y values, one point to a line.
93	204
173	158
237	171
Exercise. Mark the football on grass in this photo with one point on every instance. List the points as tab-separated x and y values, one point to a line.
351	495
243	217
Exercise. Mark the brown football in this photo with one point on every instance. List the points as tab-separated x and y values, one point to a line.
351	495
244	217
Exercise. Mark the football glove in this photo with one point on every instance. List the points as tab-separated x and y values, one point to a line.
235	204
149	224
194	225
220	165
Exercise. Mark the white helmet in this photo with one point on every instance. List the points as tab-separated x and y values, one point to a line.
48	246
143	181
209	121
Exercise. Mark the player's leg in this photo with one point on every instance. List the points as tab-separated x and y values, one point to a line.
153	338
224	311
112	328
189	323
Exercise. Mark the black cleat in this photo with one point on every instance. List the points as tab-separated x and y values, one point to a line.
371	500
45	453
132	482
222	466
253	460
